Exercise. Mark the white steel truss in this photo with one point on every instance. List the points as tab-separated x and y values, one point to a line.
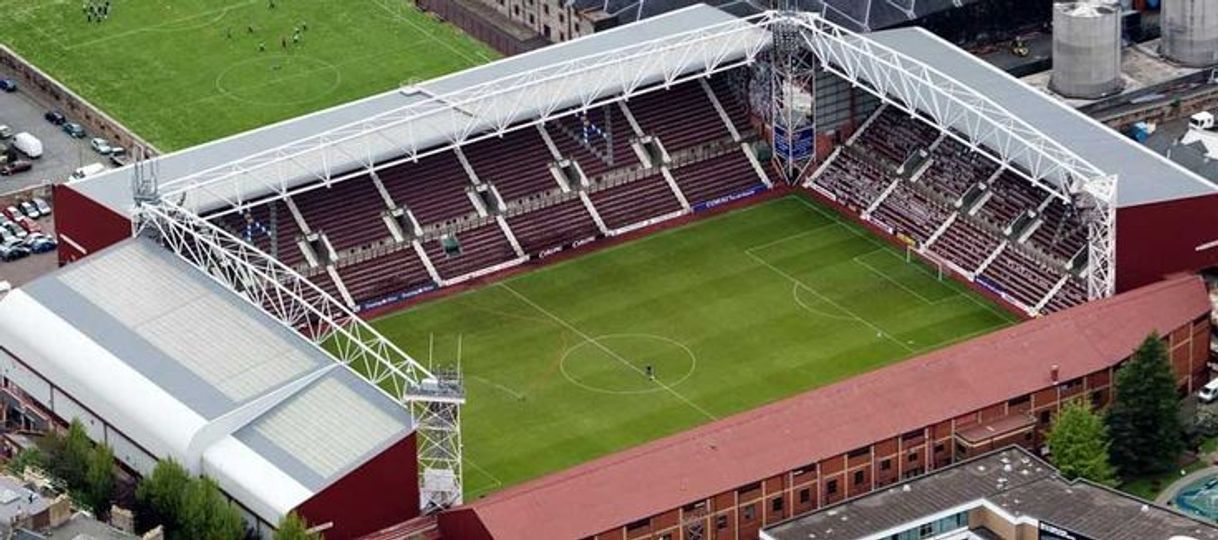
434	401
978	122
437	122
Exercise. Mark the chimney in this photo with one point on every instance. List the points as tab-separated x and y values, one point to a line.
1053	373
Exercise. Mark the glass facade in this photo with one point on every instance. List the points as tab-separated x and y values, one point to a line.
922	531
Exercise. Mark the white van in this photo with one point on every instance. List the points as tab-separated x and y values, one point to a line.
1209	392
28	145
87	171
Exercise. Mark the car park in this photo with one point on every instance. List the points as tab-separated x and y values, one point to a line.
101	146
43	207
15	167
55	117
8	85
30	211
74	130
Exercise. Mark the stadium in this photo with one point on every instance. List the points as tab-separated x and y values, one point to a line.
684	278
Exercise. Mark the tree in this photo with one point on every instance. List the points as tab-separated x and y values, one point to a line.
69	455
1144	422
206	514
100	478
160	495
293	527
28	457
1078	441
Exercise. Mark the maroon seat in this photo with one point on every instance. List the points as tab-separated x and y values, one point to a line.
553	226
630	203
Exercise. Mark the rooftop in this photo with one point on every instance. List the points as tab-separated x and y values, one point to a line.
187	369
832	420
1144	177
1014	482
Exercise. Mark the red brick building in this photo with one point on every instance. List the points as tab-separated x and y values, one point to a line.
727	479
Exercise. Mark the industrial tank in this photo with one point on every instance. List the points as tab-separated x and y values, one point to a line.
1190	31
1086	49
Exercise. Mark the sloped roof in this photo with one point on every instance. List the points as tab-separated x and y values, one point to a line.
729	453
187	369
498	89
1144	177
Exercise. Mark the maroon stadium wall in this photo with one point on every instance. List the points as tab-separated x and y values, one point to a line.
83	225
381	492
1155	240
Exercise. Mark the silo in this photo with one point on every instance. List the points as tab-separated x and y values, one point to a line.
1086	49
1190	31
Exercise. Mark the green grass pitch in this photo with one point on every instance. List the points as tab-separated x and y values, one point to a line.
730	312
170	71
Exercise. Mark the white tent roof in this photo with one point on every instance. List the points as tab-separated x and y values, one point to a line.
187	369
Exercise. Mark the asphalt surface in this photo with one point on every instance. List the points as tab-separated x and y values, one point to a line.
61	154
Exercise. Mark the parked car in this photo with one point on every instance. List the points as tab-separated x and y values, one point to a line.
29	210
40	243
43	207
7	237
13	251
12	213
15	167
55	117
29	225
28	144
5	132
118	156
74	130
16	229
101	146
1209	392
8	85
88	170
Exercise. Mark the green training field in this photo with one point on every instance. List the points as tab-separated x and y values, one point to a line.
183	72
731	313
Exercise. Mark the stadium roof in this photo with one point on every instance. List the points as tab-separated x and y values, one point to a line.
187	369
727	454
1012	480
858	15
1143	176
429	114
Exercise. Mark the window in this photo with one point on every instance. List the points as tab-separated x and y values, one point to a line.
860	452
886	464
531	18
909	436
939	448
805	496
1019	401
640	524
545	9
750	512
831	487
776	505
913	456
1045	416
858	477
721	522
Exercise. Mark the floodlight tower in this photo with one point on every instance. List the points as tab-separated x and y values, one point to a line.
792	95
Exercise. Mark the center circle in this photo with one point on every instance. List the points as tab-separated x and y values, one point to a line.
618	363
279	79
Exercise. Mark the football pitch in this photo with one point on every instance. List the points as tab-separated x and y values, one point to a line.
725	314
184	72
